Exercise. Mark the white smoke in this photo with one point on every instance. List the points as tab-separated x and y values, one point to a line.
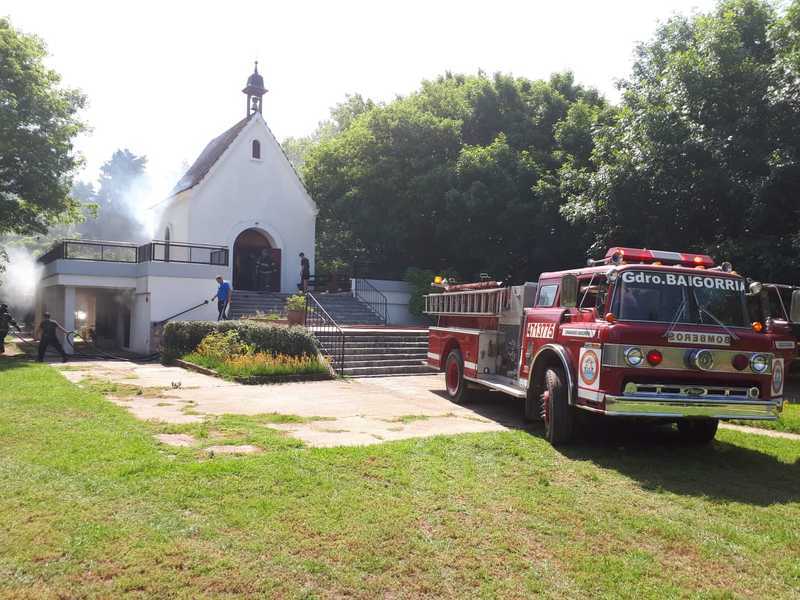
19	280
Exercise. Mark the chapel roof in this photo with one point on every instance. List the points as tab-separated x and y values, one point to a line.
208	157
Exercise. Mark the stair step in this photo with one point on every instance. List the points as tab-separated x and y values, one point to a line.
388	354
404	369
396	362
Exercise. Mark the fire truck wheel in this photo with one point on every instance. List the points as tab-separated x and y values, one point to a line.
700	431
557	414
454	378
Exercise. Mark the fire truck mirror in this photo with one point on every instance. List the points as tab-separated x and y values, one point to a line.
794	310
569	291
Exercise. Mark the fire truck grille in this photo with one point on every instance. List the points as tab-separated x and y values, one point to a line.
675	390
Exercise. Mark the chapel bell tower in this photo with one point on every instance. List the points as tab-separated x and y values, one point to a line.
255	90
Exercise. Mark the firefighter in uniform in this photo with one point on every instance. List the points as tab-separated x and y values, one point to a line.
265	266
47	337
6	322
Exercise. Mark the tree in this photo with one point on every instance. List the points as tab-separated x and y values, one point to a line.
341	116
116	199
457	176
703	153
38	124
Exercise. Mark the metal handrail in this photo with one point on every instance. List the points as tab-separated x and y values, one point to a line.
126	252
327	332
375	300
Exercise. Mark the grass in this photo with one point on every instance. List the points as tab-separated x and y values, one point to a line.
93	506
788	421
260	364
120	390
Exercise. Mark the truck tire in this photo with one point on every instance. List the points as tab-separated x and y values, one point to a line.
533	404
556	412
697	431
454	378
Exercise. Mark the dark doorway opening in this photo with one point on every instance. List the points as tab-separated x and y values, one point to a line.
256	264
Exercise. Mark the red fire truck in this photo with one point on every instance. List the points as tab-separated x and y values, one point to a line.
641	333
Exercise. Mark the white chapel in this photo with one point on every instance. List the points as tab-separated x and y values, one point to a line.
240	201
243	193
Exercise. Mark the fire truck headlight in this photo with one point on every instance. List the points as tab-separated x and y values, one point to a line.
634	356
759	363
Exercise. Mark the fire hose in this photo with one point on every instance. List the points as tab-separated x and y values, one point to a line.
71	335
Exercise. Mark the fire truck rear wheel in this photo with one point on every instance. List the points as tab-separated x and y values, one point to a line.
698	431
454	378
557	414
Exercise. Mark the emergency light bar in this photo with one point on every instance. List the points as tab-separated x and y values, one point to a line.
642	255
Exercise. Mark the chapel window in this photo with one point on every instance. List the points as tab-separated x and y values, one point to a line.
256	149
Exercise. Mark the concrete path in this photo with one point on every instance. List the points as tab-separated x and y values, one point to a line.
355	411
760	431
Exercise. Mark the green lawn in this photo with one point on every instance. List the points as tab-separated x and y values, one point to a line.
788	421
92	506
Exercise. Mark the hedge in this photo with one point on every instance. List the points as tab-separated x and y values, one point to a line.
183	337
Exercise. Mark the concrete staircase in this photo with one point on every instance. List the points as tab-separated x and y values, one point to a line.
250	303
344	309
381	353
370	350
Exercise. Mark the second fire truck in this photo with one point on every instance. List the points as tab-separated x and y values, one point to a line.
642	333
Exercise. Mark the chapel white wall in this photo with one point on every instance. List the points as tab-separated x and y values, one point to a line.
240	193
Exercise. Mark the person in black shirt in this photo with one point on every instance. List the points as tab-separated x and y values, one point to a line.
6	322
47	337
305	272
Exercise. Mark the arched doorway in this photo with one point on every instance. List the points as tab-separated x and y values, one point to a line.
256	264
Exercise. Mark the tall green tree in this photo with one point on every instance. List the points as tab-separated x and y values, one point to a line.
457	176
704	153
116	199
39	121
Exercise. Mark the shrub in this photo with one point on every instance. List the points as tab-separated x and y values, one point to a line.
223	345
183	337
420	281
296	302
261	364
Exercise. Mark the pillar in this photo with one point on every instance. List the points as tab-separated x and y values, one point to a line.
69	314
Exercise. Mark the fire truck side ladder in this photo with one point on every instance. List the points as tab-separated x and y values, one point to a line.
474	303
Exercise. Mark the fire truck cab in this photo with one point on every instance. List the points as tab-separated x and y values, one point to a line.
639	334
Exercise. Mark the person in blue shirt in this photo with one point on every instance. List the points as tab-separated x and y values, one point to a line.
223	298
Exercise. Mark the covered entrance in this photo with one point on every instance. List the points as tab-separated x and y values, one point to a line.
256	264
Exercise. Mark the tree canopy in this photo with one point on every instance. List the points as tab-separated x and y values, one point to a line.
38	124
513	177
703	153
460	175
115	199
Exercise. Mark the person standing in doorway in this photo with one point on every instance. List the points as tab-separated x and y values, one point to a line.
47	337
305	272
265	266
223	298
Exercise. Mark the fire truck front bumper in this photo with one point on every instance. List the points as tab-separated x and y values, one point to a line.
673	402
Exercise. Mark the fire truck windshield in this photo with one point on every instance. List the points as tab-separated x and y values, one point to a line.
665	297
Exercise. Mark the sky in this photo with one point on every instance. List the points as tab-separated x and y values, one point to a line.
164	78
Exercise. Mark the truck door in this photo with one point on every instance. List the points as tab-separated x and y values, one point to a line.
541	324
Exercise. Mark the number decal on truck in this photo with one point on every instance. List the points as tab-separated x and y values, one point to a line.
541	330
